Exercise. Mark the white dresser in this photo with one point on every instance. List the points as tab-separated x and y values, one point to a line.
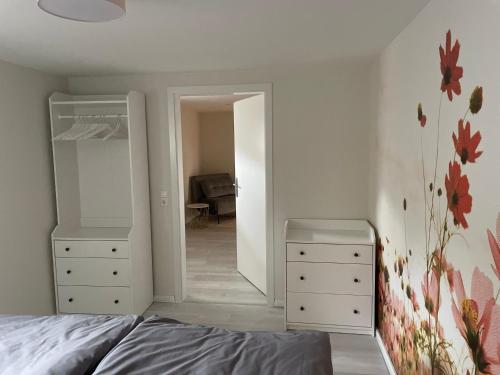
330	275
102	241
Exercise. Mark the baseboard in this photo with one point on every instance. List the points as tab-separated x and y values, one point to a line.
385	354
330	328
279	303
163	299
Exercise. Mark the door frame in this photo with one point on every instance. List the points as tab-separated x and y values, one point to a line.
178	241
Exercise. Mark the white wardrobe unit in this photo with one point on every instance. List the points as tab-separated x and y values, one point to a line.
102	242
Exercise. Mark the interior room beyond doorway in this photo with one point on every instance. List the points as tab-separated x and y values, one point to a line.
208	152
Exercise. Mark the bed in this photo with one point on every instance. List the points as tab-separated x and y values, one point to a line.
59	344
82	344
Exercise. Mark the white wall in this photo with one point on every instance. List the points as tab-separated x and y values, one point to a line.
320	149
217	142
408	72
191	151
27	199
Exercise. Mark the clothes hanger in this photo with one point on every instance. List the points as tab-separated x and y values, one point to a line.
114	131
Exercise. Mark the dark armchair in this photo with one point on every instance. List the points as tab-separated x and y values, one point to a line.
215	189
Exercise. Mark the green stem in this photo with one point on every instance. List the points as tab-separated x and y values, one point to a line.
435	165
437	142
434	342
465	114
406	247
425	190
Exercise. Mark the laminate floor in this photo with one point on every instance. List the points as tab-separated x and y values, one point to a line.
211	266
351	354
222	315
217	295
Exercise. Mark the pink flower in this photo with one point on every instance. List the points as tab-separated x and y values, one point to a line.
495	251
478	319
414	300
439	264
495	248
498	227
448	268
431	293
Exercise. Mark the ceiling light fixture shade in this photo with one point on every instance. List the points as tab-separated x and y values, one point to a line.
84	10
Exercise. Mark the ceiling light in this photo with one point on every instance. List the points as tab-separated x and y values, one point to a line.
84	10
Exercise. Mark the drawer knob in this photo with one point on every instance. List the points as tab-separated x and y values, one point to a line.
302	278
70	299
67	249
113	249
68	272
356	311
356	255
115	272
302	308
117	301
356	280
302	253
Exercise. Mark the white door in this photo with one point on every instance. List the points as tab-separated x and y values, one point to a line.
250	181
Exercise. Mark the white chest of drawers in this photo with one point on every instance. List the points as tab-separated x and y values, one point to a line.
97	271
330	275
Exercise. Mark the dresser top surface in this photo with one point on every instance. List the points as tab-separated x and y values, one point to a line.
90	233
329	231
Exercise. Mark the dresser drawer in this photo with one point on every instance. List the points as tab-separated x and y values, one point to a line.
92	271
332	278
297	252
92	249
94	300
328	309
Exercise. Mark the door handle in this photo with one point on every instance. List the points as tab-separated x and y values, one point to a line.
236	187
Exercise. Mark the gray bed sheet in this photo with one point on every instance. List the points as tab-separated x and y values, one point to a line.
62	344
164	346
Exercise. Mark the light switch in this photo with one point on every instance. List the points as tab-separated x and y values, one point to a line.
163	198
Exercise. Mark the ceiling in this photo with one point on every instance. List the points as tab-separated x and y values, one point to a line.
213	103
196	35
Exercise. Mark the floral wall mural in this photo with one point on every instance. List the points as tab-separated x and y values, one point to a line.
438	261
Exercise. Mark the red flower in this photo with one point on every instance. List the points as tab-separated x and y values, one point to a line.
457	190
420	115
431	293
478	320
449	69
465	146
495	248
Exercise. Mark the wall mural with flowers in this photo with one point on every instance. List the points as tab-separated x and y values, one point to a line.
438	299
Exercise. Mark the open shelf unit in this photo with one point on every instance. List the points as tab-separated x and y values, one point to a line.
89	117
102	189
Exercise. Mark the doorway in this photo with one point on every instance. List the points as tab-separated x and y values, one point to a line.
222	209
